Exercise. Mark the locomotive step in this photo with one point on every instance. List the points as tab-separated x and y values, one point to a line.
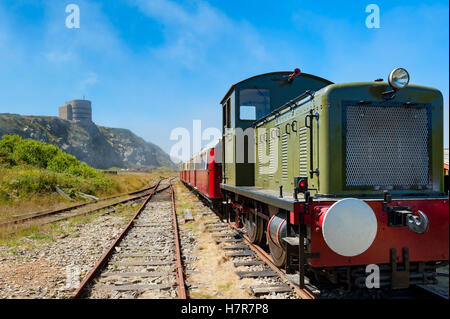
256	274
292	241
294	278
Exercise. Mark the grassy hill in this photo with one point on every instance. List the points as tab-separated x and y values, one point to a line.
31	173
29	167
99	147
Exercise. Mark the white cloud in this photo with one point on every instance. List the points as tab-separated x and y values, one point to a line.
96	34
403	40
58	56
192	30
91	79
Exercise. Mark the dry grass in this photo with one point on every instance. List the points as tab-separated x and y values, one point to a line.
32	235
126	182
217	276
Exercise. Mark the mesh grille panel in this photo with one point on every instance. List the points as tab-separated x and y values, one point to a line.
387	146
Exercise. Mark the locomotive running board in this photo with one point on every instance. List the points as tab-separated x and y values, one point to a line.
257	193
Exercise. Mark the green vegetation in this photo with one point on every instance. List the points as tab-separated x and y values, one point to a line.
29	167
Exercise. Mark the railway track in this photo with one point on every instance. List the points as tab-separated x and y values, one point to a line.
52	216
429	293
251	261
145	260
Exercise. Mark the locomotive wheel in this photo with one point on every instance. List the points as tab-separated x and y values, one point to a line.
255	228
278	254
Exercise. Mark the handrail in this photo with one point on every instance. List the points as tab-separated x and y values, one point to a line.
288	104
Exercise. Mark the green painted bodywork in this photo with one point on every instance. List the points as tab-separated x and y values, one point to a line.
329	134
329	139
243	174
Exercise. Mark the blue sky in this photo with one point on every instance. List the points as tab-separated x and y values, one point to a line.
153	65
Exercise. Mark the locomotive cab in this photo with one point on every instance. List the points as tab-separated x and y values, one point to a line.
248	101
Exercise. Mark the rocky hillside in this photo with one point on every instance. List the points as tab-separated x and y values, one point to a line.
100	147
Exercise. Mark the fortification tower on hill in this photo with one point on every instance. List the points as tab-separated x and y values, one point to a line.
79	111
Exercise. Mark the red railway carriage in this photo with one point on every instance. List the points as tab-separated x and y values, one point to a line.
203	173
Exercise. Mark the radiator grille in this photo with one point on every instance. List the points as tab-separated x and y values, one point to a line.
387	146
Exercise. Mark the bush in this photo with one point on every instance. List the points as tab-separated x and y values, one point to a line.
38	168
85	171
35	153
7	145
4	196
62	162
32	181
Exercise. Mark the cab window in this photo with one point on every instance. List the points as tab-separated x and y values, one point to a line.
254	104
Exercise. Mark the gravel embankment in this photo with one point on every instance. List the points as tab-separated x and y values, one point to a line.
54	269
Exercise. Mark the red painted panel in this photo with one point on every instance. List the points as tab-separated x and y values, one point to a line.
202	181
431	246
192	177
214	177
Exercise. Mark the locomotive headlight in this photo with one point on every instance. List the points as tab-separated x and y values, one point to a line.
349	227
399	78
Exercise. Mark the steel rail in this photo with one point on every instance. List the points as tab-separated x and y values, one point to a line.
303	293
428	292
104	258
29	217
94	210
178	259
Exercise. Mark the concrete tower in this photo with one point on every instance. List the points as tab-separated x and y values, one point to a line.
79	111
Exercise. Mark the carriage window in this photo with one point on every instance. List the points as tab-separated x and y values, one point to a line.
254	104
204	164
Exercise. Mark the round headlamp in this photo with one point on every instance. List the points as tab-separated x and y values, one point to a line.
399	78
